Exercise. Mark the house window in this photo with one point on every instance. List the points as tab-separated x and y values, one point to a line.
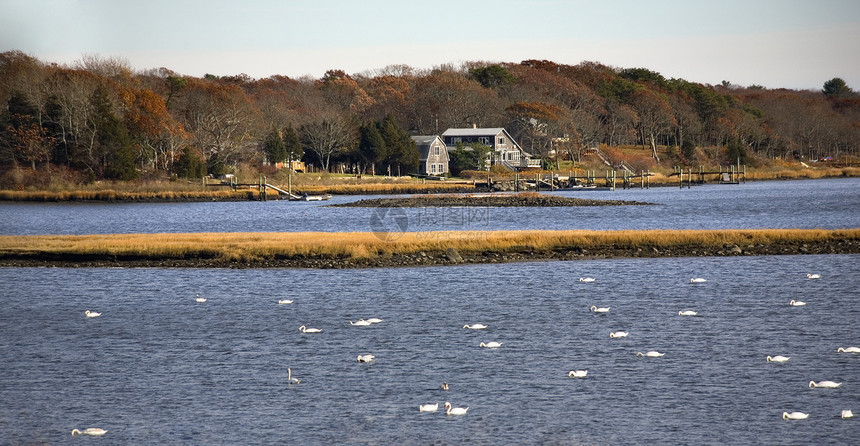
441	168
436	150
432	168
501	141
456	140
484	140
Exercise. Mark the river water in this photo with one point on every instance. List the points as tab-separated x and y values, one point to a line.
157	367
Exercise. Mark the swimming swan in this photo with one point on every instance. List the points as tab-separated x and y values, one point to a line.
847	414
596	309
290	379
577	373
284	301
366	358
796	303
475	326
824	384
428	407
94	431
92	313
586	279
618	334
493	344
848	350
687	313
304	329
374	320
794	416
200	299
777	358
813	276
454	410
698	280
361	322
651	354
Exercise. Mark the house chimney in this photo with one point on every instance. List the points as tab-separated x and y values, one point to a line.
474	126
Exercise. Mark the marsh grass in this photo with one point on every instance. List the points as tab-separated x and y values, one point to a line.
363	245
126	195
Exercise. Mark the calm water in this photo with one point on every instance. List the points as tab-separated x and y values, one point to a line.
786	204
159	368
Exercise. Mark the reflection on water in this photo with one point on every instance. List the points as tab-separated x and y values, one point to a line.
157	367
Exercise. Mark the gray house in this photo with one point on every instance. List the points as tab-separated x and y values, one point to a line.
432	154
506	151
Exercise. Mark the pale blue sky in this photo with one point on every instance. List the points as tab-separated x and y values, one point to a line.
776	43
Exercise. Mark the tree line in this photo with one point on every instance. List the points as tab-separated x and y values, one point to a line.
103	119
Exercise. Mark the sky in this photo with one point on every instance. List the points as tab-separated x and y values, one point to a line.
793	44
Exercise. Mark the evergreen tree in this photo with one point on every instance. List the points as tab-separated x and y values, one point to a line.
837	88
292	145
115	143
401	152
274	148
371	145
190	164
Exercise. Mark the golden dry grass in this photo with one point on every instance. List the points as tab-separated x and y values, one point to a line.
382	188
251	246
114	195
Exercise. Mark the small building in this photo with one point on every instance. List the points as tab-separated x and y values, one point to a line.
432	155
506	151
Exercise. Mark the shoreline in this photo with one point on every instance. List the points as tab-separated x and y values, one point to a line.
373	252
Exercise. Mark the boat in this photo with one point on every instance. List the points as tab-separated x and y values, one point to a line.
306	197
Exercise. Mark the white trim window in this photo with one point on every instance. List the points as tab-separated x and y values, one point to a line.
484	140
501	141
432	168
436	150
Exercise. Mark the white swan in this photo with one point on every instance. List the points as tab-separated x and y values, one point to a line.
366	358
492	344
651	354
597	309
687	313
796	303
454	410
428	407
89	313
824	384
848	350
698	280
813	276
284	301
586	279
475	326
847	414
374	320
304	329
577	373
777	358
361	322
290	379
794	416
444	386
618	334
93	431
200	299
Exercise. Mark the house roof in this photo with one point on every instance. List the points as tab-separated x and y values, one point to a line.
424	139
474	132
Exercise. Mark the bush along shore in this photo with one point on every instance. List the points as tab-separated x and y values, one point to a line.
367	250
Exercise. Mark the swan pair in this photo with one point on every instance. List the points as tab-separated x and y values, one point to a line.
475	326
596	309
687	313
698	280
651	354
824	384
777	358
92	431
284	301
794	416
577	373
796	303
304	329
200	299
290	379
848	350
586	279
366	358
428	407
492	344
89	313
454	410
618	334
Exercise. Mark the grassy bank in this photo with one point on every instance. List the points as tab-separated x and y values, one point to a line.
367	246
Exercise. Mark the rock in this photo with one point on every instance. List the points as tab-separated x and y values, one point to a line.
736	250
453	255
